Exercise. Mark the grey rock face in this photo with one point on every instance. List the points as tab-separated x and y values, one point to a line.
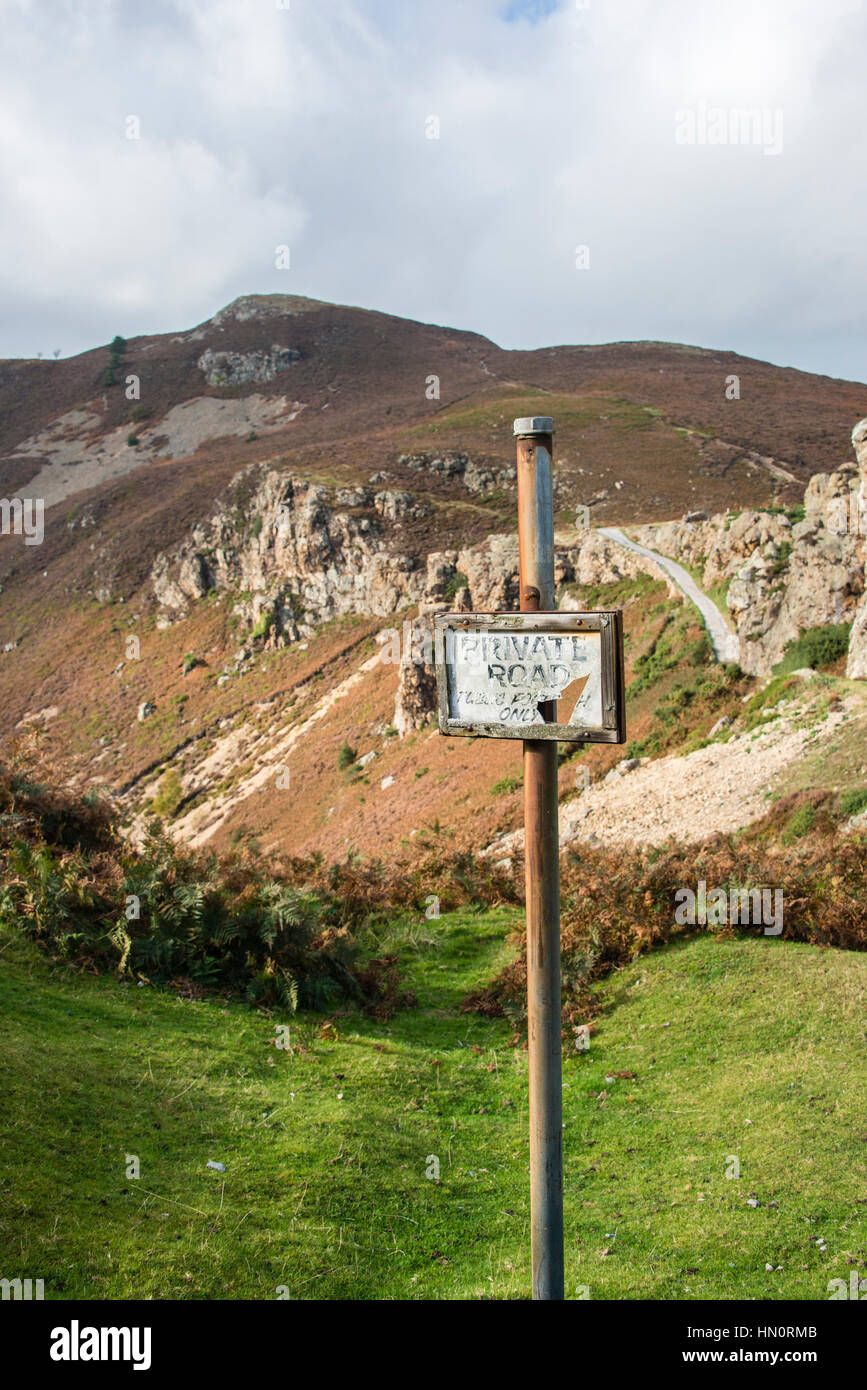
416	699
856	668
294	557
491	569
782	579
477	478
299	554
264	306
238	368
394	505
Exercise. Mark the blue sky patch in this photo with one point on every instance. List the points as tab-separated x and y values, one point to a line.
532	10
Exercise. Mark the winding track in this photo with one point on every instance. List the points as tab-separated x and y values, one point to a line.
725	643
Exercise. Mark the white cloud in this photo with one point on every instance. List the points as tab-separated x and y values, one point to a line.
306	126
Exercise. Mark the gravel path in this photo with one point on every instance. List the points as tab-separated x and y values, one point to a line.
725	642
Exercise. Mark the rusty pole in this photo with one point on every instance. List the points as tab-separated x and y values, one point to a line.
542	859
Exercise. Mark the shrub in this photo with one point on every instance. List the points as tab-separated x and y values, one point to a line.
346	757
199	923
132	439
190	663
818	647
457	582
852	803
506	785
779	688
800	824
678	699
781	560
108	377
661	657
615	905
263	625
169	794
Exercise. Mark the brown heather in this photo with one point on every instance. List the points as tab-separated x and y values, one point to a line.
617	906
286	932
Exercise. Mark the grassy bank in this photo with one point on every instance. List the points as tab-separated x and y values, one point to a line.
750	1049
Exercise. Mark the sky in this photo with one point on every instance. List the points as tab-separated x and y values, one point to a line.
538	171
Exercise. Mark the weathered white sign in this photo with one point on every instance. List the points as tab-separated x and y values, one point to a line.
531	675
504	676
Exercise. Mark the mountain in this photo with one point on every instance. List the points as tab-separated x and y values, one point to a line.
236	514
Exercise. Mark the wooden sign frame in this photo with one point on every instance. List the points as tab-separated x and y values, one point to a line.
608	623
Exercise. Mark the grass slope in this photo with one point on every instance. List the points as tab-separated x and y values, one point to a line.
752	1048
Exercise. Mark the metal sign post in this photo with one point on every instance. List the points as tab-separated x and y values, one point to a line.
542	867
501	676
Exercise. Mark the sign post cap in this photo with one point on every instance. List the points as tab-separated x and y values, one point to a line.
534	424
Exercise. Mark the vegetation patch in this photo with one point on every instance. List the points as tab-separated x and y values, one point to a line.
800	824
457	582
169	794
816	648
174	917
506	785
346	757
718	594
782	557
617	906
667	651
852	803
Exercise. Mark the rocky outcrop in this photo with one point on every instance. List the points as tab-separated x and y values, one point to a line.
264	306
240	368
416	700
780	575
596	559
476	477
856	667
294	555
491	570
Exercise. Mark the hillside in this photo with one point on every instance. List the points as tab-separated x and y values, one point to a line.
225	556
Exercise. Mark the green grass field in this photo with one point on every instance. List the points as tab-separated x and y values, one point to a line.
750	1049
